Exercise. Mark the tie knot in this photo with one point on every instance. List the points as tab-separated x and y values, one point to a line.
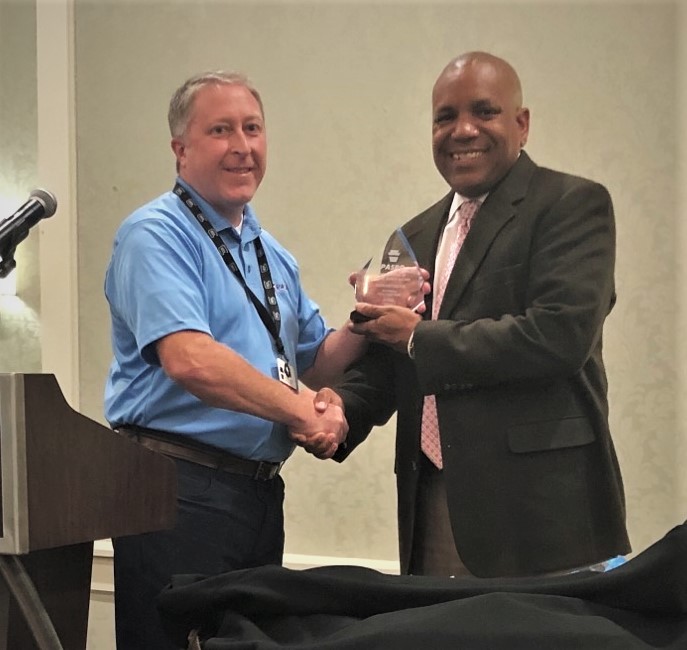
467	209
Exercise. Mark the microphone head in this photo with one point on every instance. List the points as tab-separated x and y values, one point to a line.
46	199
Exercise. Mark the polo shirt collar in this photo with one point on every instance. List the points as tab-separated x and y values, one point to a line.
249	230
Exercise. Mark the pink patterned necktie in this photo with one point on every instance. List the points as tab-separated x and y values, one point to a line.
430	442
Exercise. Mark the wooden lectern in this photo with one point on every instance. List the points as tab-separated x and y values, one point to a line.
65	481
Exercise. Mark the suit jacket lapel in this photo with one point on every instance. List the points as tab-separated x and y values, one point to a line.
496	211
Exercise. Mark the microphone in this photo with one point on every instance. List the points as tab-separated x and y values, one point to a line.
41	204
15	228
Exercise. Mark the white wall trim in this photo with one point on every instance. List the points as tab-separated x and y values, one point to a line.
102	548
102	554
296	561
57	173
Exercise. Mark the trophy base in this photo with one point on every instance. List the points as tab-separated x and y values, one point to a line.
357	317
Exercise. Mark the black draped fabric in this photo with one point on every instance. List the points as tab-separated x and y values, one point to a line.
638	606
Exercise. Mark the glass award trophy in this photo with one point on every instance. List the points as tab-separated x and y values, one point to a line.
395	279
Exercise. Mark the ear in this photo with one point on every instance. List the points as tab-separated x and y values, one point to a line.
179	149
523	120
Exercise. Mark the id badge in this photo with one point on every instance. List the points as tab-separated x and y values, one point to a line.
286	374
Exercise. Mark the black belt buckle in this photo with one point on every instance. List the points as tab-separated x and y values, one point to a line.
266	471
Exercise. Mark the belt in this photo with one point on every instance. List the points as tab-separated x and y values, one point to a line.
260	470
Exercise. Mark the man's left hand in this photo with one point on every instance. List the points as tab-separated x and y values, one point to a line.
390	325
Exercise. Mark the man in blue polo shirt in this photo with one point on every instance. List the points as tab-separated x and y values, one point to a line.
210	331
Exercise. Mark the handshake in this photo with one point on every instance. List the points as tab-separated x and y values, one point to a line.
323	426
387	311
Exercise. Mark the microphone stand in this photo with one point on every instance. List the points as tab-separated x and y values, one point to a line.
8	244
21	587
7	264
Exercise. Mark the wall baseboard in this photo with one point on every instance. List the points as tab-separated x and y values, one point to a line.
102	582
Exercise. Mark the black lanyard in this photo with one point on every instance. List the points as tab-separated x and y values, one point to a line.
271	318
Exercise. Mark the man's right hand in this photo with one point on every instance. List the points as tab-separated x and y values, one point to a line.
325	427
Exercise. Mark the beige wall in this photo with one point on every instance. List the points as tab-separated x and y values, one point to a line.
19	322
680	265
346	87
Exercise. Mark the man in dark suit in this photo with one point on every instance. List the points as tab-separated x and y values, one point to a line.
524	478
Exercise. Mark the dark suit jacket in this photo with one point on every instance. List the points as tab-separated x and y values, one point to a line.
514	360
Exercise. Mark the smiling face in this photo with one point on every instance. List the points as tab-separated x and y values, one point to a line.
223	149
478	124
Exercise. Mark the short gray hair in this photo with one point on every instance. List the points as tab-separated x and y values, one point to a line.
182	100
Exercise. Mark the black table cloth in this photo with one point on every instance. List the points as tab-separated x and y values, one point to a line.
640	605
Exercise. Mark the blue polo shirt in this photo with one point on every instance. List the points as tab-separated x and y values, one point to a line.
166	276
